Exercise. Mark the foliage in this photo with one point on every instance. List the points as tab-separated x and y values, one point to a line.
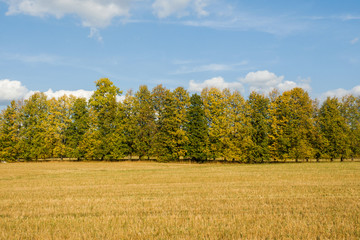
170	138
107	120
34	120
171	125
144	117
78	126
9	133
333	126
197	130
258	116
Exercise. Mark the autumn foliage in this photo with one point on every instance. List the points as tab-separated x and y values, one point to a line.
172	125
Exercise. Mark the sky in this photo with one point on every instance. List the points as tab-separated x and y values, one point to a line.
64	46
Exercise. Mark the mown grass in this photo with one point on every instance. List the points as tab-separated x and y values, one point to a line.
127	200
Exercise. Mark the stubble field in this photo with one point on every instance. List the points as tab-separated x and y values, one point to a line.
145	200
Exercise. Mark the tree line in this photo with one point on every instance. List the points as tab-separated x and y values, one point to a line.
172	125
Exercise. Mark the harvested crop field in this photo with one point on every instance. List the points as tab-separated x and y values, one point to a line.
147	200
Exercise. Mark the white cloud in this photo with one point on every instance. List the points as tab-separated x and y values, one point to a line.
265	81
217	82
260	81
57	94
93	13
11	90
355	40
340	92
14	90
166	8
77	93
97	14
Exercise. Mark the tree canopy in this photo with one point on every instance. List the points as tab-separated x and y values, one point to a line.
173	125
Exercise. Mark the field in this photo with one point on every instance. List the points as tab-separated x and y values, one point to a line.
146	200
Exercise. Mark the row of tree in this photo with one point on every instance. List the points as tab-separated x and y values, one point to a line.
172	125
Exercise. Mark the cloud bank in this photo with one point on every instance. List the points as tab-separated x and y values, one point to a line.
77	93
93	13
14	90
340	92
97	14
100	13
11	90
260	81
265	82
217	82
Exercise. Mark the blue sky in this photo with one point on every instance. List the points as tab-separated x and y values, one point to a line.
57	45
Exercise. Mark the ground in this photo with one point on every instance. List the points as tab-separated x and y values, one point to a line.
147	200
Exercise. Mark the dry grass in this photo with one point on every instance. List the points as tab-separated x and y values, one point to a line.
70	200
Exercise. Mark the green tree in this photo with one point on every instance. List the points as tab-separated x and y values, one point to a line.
301	125
170	137
181	105
234	134
214	106
334	129
163	103
9	133
276	126
130	124
57	122
144	116
106	110
79	125
117	141
197	130
292	126
319	143
92	140
34	117
350	110
258	116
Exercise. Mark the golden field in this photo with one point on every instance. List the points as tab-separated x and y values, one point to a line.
147	200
